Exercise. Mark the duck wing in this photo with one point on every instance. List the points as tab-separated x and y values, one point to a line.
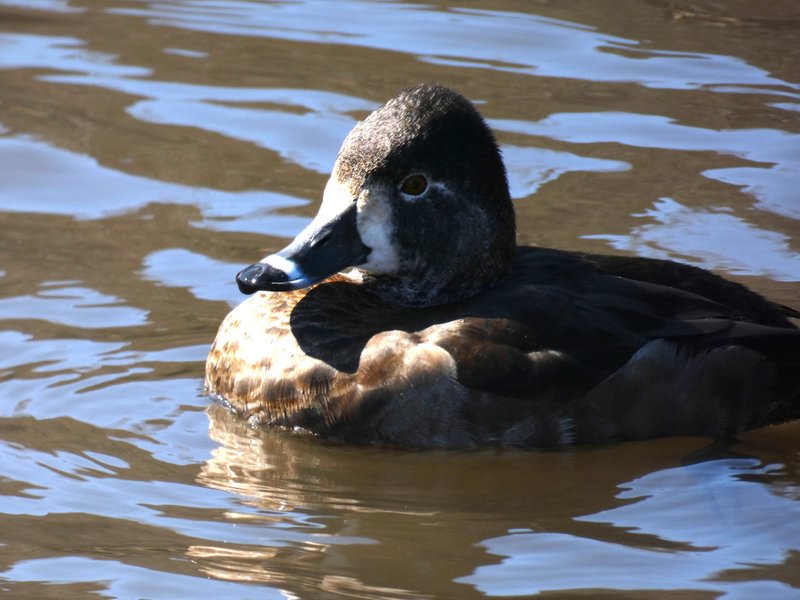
566	351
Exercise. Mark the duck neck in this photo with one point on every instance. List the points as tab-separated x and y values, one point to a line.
443	282
415	294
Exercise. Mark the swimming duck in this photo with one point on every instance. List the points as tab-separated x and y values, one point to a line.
443	333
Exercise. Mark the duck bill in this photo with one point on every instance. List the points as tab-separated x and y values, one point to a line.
325	247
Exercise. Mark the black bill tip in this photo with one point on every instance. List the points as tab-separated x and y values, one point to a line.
261	276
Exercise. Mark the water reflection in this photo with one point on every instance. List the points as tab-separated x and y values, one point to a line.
73	306
75	575
28	51
519	43
736	524
58	6
530	168
309	140
773	185
679	230
691	527
78	186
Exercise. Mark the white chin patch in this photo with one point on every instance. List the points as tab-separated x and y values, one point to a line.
293	272
374	223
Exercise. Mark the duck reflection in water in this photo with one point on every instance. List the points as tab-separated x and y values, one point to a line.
446	334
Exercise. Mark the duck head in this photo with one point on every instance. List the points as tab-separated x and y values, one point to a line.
417	201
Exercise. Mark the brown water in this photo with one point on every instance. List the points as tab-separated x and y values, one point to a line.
148	150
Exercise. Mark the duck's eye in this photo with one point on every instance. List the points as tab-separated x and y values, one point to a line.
414	185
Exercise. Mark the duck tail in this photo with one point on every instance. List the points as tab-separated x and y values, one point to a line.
722	390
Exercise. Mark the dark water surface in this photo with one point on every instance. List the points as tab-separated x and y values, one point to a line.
148	150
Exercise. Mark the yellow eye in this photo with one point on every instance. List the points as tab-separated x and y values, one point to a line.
414	185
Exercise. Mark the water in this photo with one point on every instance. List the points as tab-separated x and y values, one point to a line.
148	150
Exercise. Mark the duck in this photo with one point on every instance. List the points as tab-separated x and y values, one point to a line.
406	315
